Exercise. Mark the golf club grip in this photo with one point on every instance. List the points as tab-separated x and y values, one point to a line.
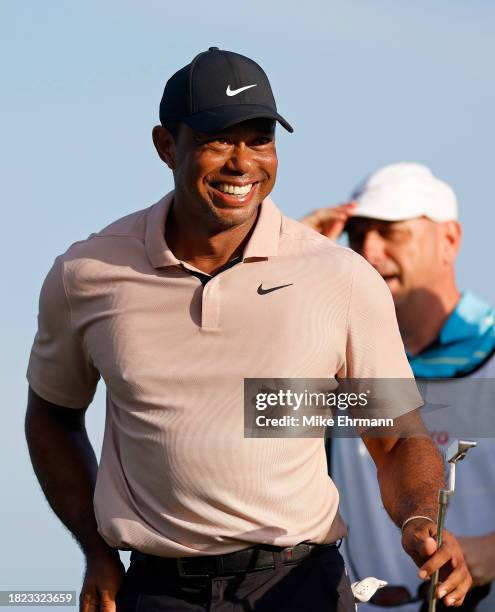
442	509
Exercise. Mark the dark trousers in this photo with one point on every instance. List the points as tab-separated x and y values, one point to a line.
318	583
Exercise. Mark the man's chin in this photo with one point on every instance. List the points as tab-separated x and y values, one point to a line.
392	281
395	286
233	217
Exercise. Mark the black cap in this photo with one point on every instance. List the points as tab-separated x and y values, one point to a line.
217	90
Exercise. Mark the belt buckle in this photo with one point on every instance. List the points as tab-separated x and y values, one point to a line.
183	573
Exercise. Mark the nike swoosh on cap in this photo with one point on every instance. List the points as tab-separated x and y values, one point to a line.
262	291
234	92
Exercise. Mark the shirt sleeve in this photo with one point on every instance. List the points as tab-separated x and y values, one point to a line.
374	347
60	369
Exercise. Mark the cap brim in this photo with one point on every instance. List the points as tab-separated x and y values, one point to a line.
223	117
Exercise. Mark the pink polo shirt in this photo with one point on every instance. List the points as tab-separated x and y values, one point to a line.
177	477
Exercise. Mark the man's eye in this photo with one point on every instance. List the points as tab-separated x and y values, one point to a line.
219	141
263	140
393	232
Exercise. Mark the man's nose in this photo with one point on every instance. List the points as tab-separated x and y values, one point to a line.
372	247
240	160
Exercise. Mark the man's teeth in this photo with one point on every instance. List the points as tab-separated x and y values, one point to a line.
234	189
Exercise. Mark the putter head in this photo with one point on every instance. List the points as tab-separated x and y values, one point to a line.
365	589
458	450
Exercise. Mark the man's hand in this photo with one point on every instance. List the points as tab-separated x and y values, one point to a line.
103	578
479	553
419	542
330	221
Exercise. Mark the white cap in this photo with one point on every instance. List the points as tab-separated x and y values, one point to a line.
405	191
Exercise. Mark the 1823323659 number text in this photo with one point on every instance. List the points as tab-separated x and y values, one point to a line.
37	598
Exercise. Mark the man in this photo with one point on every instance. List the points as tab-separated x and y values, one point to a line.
174	306
403	220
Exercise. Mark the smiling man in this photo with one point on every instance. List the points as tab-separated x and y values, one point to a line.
174	306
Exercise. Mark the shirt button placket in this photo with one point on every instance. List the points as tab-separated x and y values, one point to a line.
210	307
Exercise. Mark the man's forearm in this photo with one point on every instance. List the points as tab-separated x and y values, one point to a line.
66	467
410	479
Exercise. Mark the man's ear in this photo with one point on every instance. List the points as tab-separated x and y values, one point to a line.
452	232
165	145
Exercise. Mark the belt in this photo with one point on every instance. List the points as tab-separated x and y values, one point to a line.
249	559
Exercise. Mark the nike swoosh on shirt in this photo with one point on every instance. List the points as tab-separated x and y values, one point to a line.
262	291
234	92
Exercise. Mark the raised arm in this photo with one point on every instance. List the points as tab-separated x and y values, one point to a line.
329	220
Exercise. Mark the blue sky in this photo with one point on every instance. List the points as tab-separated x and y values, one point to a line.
364	83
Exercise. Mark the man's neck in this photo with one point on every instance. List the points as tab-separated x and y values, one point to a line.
424	315
204	247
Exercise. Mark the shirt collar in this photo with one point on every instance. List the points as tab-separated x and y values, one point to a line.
154	241
265	237
470	318
262	243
